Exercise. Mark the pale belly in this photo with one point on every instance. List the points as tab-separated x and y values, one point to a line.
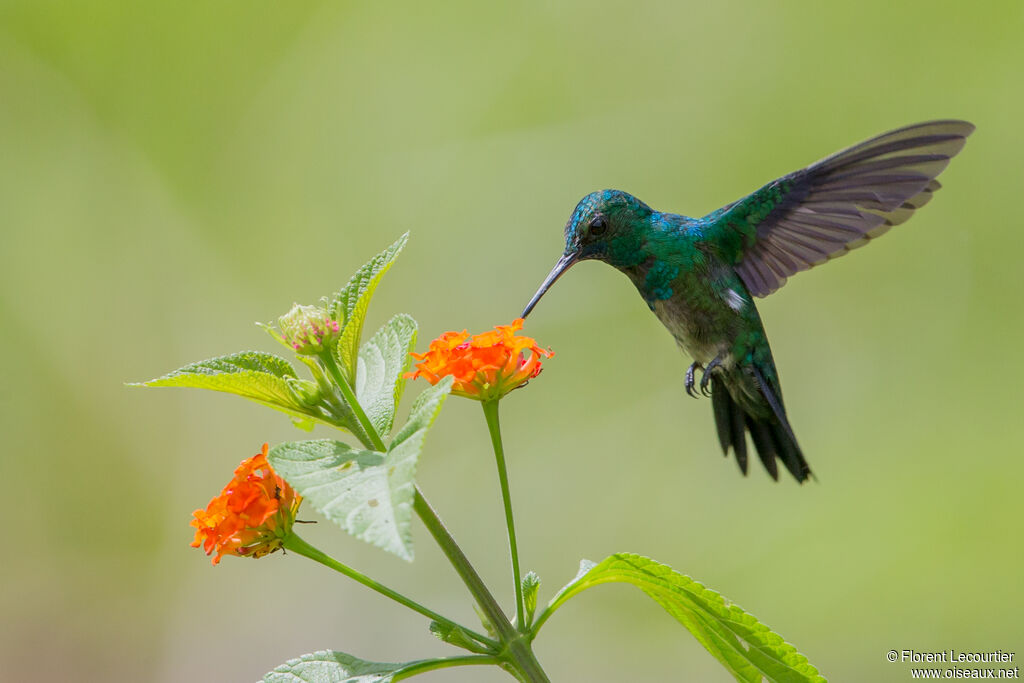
699	334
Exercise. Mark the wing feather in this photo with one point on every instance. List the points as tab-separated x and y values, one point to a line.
838	203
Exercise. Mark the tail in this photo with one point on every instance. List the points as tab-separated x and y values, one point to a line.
769	429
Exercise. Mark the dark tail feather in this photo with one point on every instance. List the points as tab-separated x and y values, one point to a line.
785	440
729	421
772	436
765	444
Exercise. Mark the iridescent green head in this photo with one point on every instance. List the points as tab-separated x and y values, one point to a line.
610	226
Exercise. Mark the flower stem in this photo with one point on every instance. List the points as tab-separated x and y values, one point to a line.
371	439
297	545
516	644
517	651
494	426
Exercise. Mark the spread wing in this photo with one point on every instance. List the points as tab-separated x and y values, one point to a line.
834	205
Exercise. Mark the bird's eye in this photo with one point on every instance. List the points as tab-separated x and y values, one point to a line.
598	225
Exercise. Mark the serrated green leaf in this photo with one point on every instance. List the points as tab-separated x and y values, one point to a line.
328	666
383	360
351	303
342	304
531	584
751	651
366	493
260	377
424	411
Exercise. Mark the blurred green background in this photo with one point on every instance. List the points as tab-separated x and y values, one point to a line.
170	173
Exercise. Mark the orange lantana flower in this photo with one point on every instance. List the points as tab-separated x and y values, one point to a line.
251	516
485	366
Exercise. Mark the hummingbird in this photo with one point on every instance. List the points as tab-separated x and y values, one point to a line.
700	276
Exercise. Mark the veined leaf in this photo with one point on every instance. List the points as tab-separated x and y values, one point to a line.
383	360
367	493
351	303
260	377
751	651
328	666
424	411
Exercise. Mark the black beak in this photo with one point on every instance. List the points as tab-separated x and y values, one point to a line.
563	265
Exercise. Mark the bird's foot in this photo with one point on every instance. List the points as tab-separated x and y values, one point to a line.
707	376
689	382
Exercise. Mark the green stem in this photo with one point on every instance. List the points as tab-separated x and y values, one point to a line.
517	646
517	651
494	426
444	663
371	439
297	545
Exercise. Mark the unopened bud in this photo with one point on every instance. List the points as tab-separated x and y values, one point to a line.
305	392
308	329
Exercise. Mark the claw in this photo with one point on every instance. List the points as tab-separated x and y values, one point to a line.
707	376
689	379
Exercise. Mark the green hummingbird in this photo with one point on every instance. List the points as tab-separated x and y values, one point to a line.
700	275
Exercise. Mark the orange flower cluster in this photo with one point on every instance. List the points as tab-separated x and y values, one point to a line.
485	366
251	516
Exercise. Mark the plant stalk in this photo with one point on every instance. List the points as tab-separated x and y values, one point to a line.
494	426
370	437
517	651
517	644
299	546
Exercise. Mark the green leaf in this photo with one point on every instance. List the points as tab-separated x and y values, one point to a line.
261	377
383	360
328	666
350	305
531	584
751	651
425	409
366	493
